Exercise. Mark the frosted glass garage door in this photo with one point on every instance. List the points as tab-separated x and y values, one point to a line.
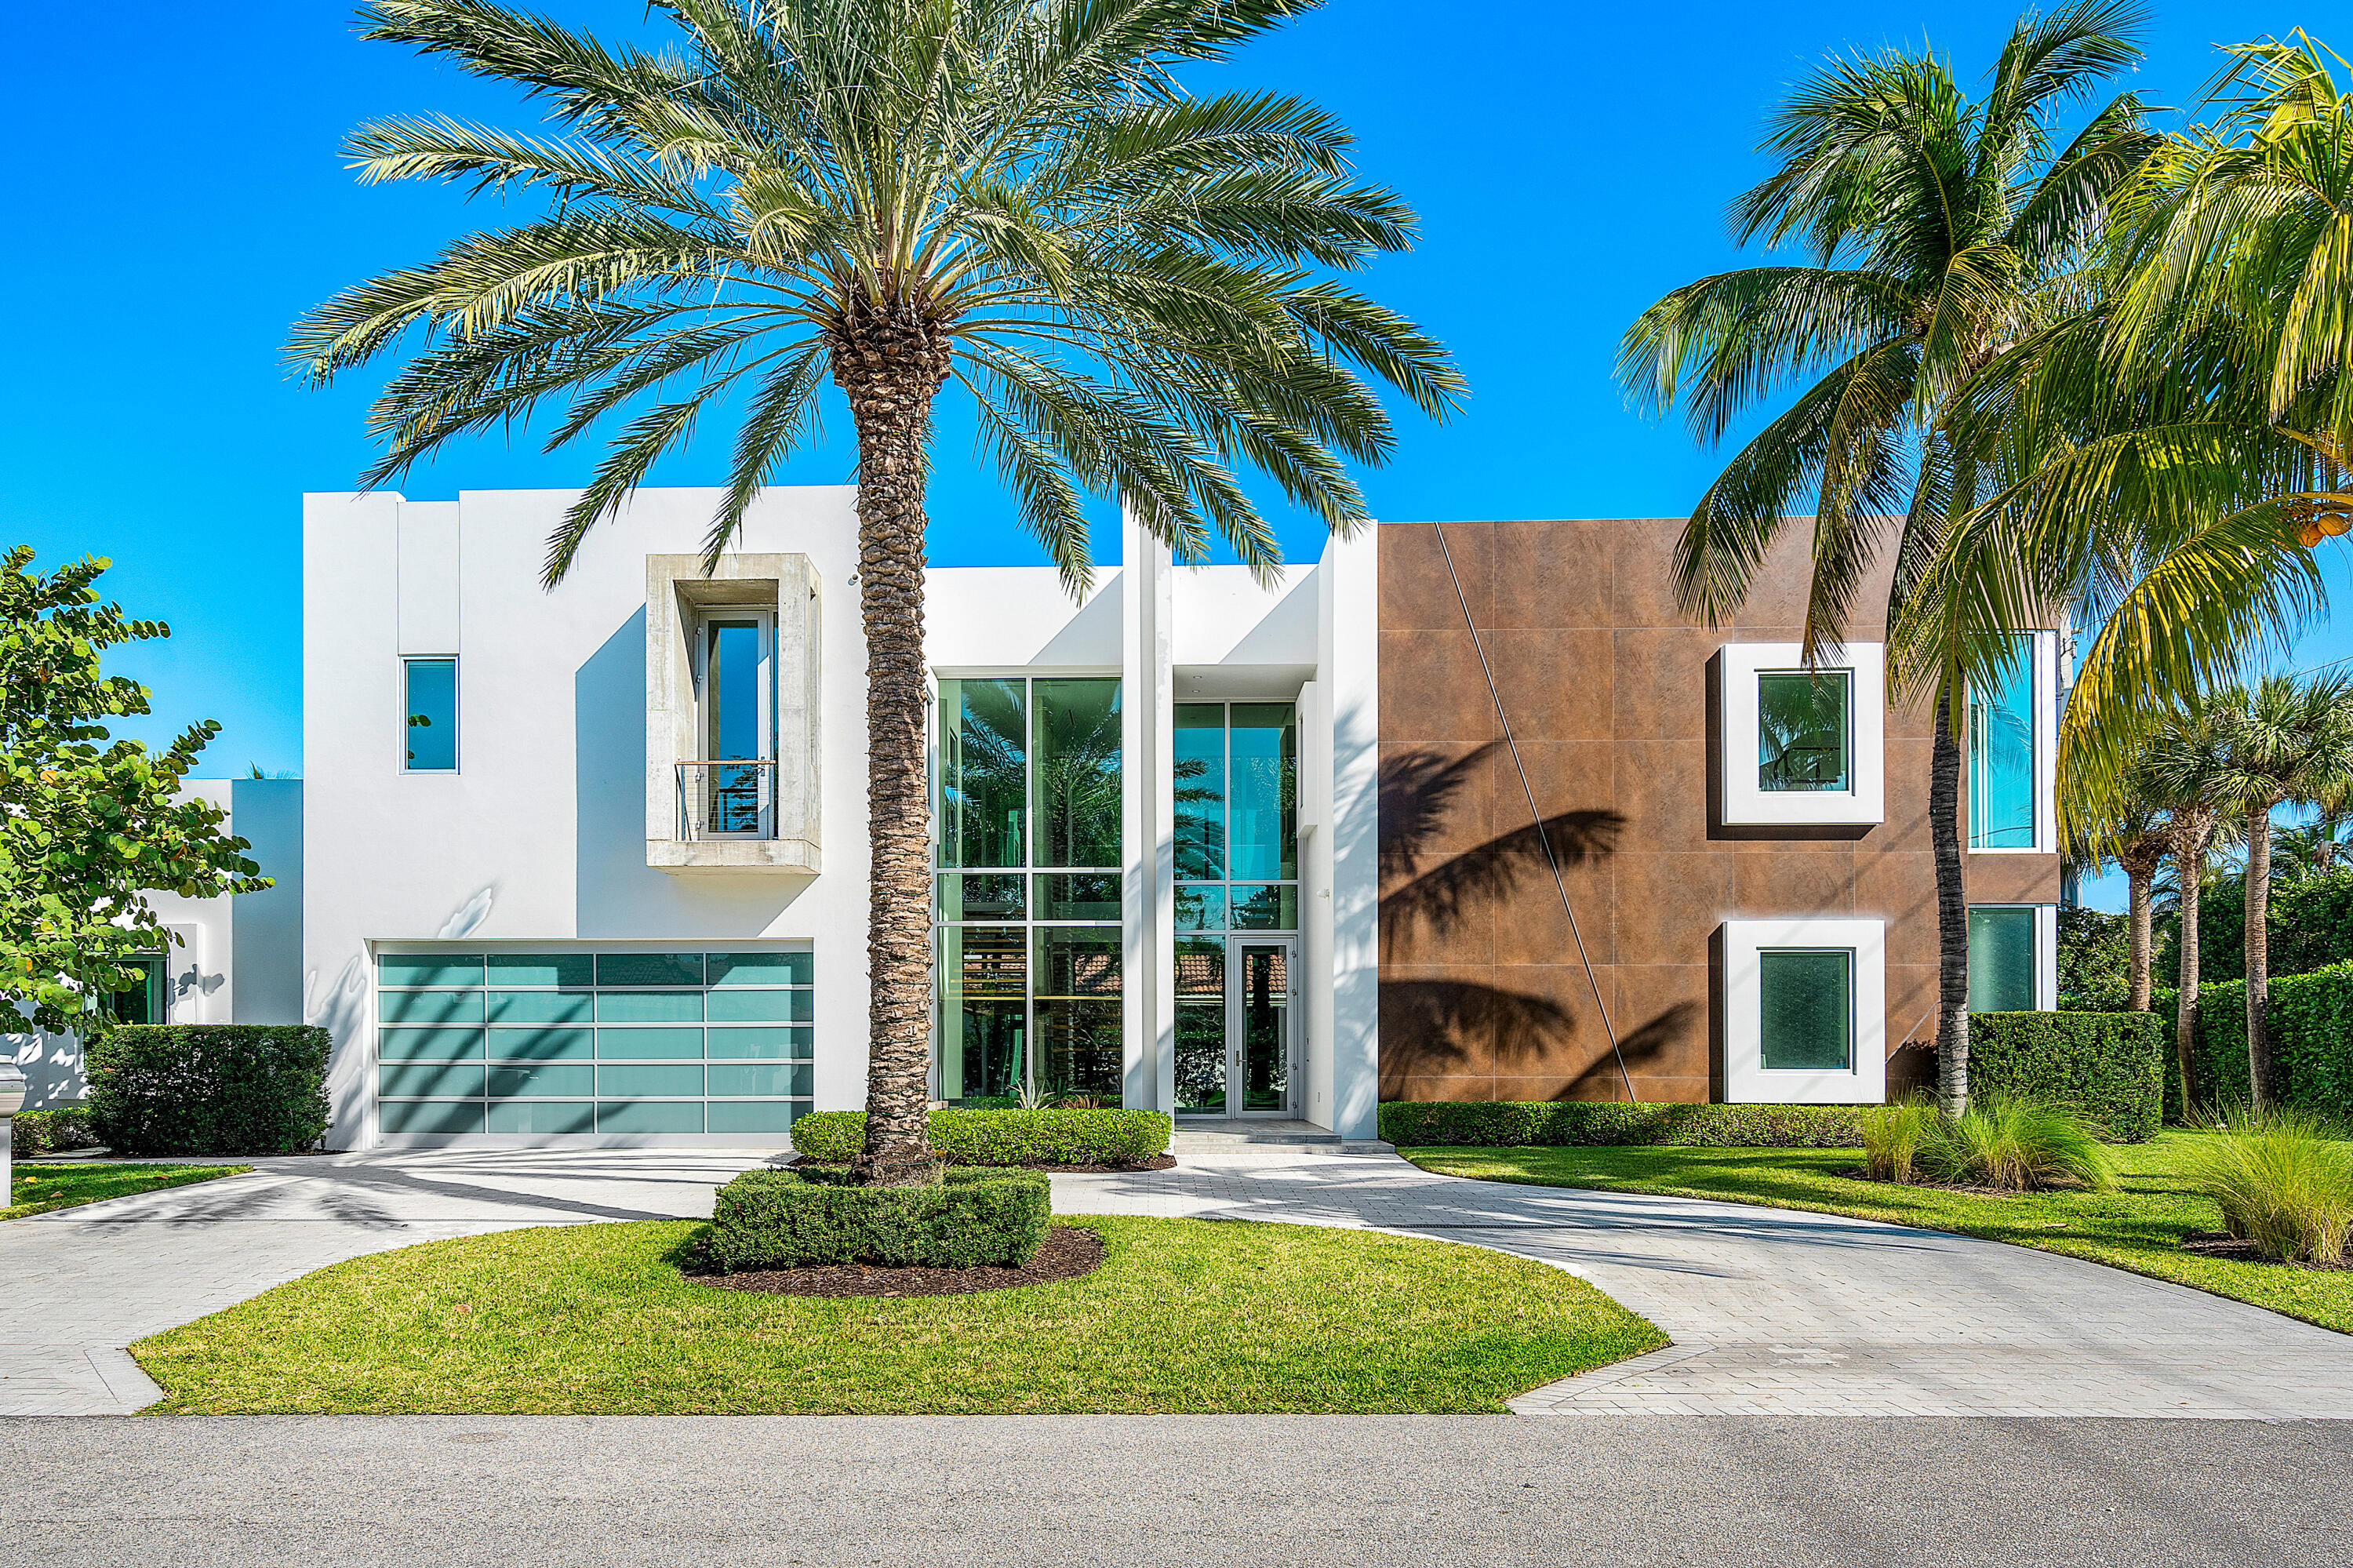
592	1042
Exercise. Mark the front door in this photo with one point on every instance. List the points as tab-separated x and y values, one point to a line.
1235	999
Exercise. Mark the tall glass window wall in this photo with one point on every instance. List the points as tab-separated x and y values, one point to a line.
1028	891
1237	789
2001	754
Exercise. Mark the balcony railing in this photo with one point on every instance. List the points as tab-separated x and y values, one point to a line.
727	799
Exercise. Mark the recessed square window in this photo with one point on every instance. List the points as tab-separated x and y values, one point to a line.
1805	1019
1801	748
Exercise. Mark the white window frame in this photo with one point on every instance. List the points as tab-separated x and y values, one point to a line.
2046	944
1746	1080
1862	804
2043	662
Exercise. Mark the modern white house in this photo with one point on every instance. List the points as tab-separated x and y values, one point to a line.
588	865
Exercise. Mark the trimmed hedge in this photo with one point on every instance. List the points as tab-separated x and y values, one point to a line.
1598	1123
2312	1041
58	1131
786	1219
1004	1137
2106	1067
208	1089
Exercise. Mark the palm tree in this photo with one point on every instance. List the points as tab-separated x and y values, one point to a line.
1941	231
2287	741
1015	196
2315	848
2137	838
2185	765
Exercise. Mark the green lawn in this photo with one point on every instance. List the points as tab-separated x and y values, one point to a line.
1183	1315
2138	1226
36	1189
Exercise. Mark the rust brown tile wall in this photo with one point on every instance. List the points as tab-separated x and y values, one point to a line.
1483	993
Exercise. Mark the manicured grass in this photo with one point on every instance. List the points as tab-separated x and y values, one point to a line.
1183	1315
2138	1226
37	1189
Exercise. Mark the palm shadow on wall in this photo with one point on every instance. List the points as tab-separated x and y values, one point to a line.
1432	1028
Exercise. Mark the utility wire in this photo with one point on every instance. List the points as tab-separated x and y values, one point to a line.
1560	884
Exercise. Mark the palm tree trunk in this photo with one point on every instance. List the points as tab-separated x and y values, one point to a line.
2258	951
1952	913
2188	865
2136	879
890	363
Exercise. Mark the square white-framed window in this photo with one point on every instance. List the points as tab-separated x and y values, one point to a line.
2011	752
1803	747
2013	957
1805	1012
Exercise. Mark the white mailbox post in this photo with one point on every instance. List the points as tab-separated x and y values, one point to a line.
12	1100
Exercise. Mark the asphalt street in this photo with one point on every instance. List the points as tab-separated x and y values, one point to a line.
1425	1491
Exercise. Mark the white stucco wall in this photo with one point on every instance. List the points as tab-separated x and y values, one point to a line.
539	835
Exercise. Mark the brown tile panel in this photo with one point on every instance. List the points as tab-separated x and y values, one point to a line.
2010	878
1482	995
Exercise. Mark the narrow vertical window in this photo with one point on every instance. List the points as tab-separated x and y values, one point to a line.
2002	959
430	691
984	772
2001	754
737	724
1198	763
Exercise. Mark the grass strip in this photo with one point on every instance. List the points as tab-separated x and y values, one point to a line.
1183	1316
37	1189
2138	1226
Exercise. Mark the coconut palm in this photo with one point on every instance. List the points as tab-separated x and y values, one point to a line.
2287	741
1942	230
1015	197
2185	767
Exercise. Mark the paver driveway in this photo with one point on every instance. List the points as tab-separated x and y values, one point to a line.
1779	1312
78	1285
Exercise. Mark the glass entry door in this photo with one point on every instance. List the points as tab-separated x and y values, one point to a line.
1234	1026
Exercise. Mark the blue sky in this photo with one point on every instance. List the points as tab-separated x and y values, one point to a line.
181	199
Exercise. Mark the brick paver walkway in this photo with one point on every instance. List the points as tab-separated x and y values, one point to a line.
1779	1312
79	1285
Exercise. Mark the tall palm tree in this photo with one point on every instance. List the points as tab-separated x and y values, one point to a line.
1014	196
1941	231
2137	837
2185	765
2287	741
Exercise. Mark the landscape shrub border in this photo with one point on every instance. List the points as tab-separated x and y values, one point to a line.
2312	1043
58	1131
1004	1138
788	1219
2106	1067
1605	1124
208	1089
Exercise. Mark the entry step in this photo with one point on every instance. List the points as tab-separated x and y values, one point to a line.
1211	1132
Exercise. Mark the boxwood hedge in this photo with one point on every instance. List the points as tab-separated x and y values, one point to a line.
2106	1067
1004	1137
58	1131
1503	1124
785	1219
208	1089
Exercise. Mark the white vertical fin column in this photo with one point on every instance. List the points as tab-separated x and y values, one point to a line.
1349	679
1148	805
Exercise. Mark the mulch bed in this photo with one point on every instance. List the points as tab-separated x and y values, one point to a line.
2233	1249
1164	1162
1068	1252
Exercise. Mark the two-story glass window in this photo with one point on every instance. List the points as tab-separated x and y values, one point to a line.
1237	789
1028	890
2001	753
429	693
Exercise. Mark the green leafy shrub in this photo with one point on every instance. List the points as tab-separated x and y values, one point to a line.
58	1131
2018	1144
785	1219
208	1089
2312	1043
2284	1182
1893	1136
1004	1137
2108	1069
1506	1124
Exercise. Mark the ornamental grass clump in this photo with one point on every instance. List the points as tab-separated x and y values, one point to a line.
2284	1180
2017	1145
1891	1137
